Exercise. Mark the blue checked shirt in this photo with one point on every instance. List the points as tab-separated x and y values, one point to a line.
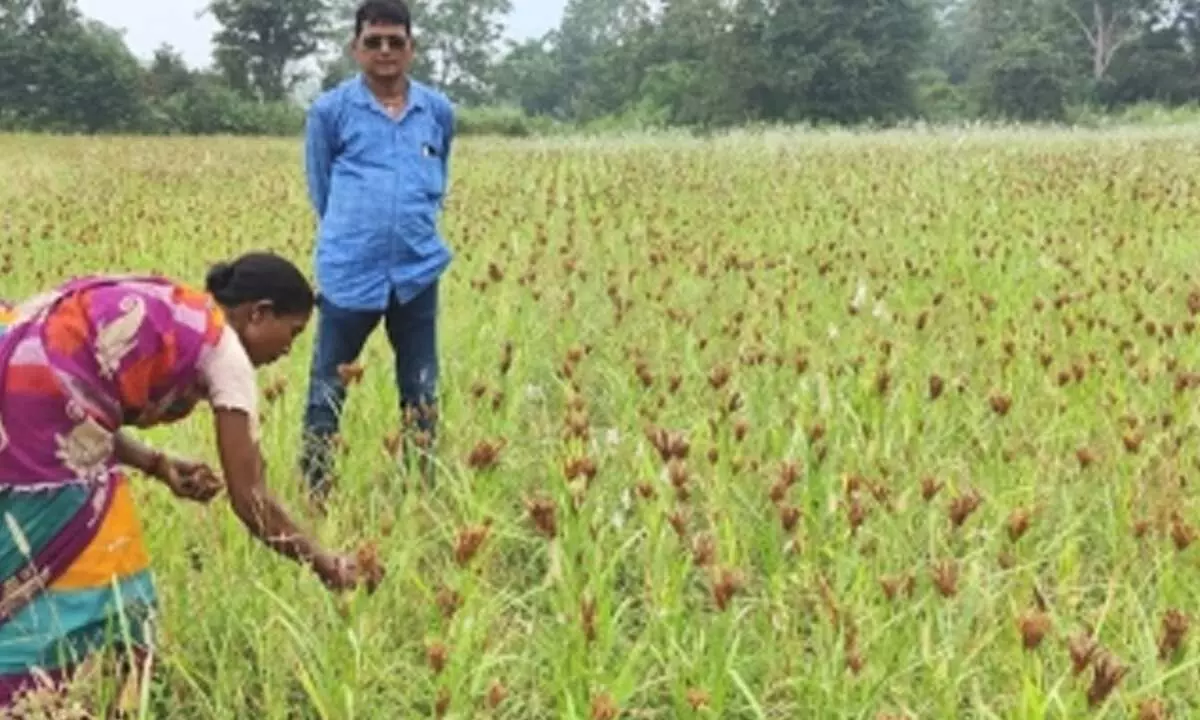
377	185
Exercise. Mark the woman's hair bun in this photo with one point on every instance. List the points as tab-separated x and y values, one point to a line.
218	278
257	277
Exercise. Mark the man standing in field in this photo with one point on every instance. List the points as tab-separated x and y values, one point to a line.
377	154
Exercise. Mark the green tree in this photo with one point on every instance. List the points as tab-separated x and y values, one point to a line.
828	60
168	74
459	40
1160	64
260	42
61	72
867	52
597	50
1108	26
686	76
1021	66
529	78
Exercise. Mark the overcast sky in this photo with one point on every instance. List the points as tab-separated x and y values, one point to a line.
150	23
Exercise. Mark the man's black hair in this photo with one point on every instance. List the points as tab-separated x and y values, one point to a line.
385	12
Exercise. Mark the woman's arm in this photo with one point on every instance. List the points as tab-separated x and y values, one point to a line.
186	479
261	512
137	455
233	397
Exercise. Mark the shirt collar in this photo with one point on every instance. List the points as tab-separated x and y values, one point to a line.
362	95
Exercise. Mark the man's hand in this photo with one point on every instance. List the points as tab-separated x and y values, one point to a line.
187	479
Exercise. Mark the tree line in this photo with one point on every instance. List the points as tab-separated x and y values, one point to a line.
694	63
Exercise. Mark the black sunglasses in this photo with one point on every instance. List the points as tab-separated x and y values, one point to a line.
375	42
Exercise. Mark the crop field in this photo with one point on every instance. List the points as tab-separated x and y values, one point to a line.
791	426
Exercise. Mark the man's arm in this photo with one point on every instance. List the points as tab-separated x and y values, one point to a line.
448	122
318	158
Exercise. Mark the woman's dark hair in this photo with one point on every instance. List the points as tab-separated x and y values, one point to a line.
259	276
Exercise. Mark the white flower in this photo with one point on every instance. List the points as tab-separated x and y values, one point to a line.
116	339
860	296
86	450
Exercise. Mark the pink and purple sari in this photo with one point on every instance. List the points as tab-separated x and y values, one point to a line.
75	366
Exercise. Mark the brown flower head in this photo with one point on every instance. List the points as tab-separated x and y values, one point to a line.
678	521
856	514
1152	709
350	374
777	492
436	654
893	585
1175	625
542	511
580	467
930	487
788	517
963	506
1034	624
448	601
577	426
726	583
497	693
604	707
677	472
1018	524
368	557
1085	456
670	445
1082	648
704	549
392	443
468	542
1107	673
486	454
1182	534
719	376
937	386
945	577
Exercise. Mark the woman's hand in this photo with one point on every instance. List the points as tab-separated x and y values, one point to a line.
187	479
344	572
265	517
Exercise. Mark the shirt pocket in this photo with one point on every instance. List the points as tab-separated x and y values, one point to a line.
429	161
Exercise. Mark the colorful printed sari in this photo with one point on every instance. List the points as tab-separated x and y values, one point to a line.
75	366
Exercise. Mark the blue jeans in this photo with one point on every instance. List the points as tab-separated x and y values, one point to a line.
340	337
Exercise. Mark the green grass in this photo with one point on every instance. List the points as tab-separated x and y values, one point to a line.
816	270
